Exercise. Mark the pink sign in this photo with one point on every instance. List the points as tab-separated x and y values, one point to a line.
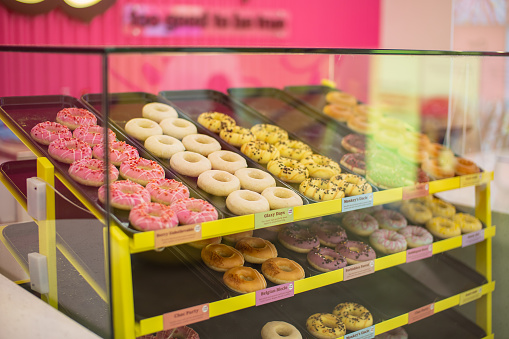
186	316
417	191
421	313
358	270
419	253
472	238
275	293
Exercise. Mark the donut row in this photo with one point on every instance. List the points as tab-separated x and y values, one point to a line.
345	316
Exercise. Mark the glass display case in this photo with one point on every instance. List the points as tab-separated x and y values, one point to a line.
284	183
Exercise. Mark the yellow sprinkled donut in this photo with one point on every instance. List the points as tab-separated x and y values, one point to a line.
289	170
354	316
215	121
320	189
416	212
293	149
352	184
443	228
325	326
236	135
269	133
320	166
260	151
440	208
468	223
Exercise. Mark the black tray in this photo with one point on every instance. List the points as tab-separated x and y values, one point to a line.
193	103
127	106
26	112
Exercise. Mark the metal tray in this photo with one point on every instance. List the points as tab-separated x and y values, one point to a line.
26	112
126	106
193	103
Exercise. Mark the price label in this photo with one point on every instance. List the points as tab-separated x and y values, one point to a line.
365	333
274	217
472	238
470	295
421	313
356	202
417	191
471	179
177	235
419	253
186	316
275	293
358	270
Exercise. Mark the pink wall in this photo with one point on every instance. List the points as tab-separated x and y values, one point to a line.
329	23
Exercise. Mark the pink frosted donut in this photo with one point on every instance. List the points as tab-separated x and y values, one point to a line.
182	332
355	251
387	241
48	131
298	239
194	211
92	134
75	117
360	223
329	233
390	220
91	172
69	150
141	170
124	194
167	191
152	216
119	152
416	236
325	259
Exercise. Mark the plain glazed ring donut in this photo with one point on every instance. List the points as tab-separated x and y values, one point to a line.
416	236
390	220
48	131
256	250
231	239
124	194
260	151
152	216
221	257
218	183
355	251
320	166
359	124
141	128
227	161
354	316
465	166
190	163
325	259
244	202
416	212
468	223
282	270
443	228
293	149
352	184
215	121
91	172
320	189
177	127
280	330
194	211
200	244
269	133
289	170
254	179
201	143
141	170
244	279
325	326
236	135
158	112
281	197
387	241
338	111
360	223
338	97
163	146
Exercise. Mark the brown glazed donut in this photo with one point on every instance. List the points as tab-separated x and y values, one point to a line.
220	257
256	250
243	279
282	270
